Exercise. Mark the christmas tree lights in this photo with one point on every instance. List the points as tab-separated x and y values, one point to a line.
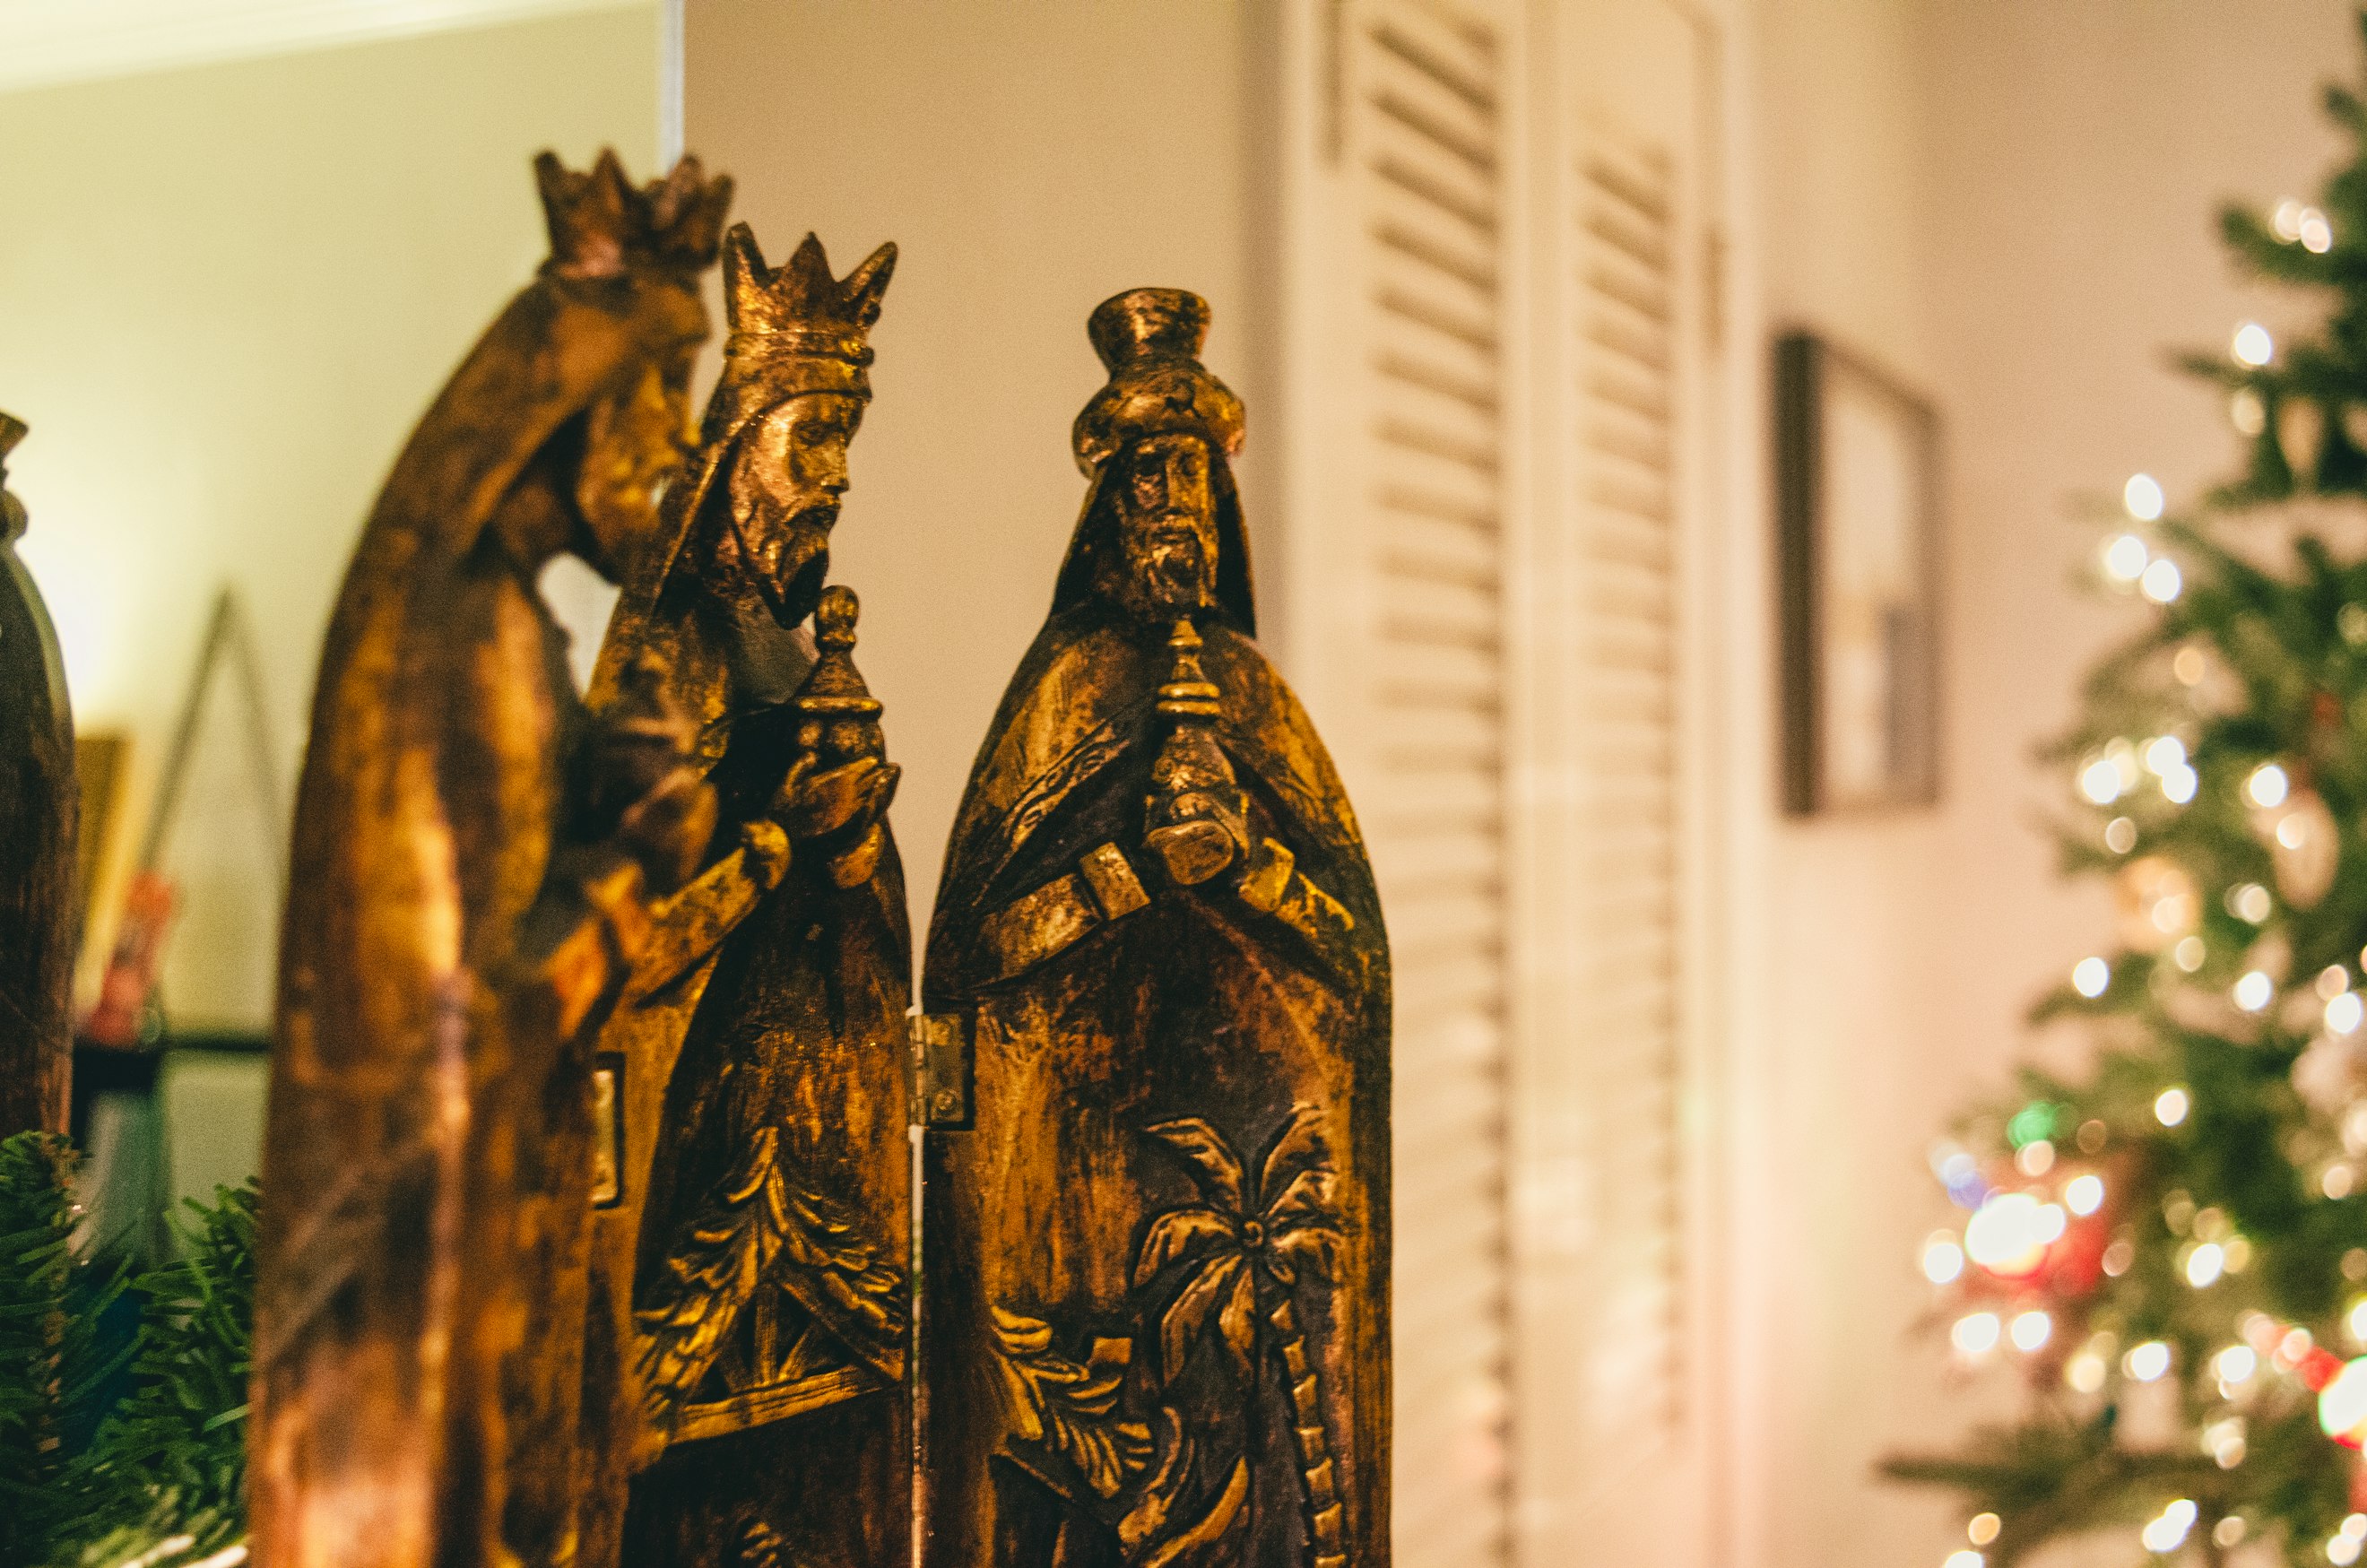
2172	1247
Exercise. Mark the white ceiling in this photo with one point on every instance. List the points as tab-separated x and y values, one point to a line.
48	41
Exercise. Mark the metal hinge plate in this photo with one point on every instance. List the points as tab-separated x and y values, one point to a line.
940	1069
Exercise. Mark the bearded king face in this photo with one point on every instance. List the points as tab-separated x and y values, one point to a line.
1167	527
633	443
786	482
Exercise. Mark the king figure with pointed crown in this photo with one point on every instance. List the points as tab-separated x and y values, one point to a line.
473	854
1155	1327
745	1397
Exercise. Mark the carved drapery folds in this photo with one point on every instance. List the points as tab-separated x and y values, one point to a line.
1156	1326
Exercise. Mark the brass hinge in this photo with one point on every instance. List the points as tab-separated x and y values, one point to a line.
940	1069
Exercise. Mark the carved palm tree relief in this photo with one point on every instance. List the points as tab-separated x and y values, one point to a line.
1236	1262
1216	1285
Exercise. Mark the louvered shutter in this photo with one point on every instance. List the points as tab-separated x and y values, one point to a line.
1495	368
1612	1449
1626	509
1424	147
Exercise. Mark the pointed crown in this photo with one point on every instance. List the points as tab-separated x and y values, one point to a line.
602	225
798	309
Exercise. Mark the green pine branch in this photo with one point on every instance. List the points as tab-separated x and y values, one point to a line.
52	1366
173	1457
161	1477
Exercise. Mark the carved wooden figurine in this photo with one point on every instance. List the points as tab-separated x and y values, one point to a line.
746	1399
470	857
37	807
1156	1239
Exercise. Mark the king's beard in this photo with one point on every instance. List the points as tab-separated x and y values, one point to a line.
1169	570
785	555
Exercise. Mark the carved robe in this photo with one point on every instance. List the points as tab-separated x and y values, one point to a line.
37	810
1156	1312
768	1279
428	1135
750	1304
745	1397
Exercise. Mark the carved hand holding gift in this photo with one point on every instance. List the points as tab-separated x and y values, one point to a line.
38	808
745	1395
1156	1324
471	860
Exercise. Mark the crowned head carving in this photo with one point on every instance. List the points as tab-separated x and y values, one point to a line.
602	225
1163	517
798	310
624	269
796	378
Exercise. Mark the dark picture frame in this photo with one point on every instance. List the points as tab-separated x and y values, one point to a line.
1857	460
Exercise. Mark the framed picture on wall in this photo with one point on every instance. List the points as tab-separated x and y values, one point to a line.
1857	487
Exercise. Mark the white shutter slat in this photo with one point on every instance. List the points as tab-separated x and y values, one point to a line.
1426	150
1624	238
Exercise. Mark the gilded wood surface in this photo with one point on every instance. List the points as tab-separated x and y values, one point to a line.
39	803
471	857
1156	1257
747	1399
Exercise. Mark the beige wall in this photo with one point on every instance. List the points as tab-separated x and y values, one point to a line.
2011	202
226	293
1840	1094
1030	161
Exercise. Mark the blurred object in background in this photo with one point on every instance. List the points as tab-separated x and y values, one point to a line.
151	1105
120	1019
100	760
337	187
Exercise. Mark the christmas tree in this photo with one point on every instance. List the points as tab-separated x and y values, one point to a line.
2173	1246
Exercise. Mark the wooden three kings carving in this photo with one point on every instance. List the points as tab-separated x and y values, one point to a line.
589	1233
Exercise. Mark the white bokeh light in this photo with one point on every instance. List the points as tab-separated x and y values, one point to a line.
2143	498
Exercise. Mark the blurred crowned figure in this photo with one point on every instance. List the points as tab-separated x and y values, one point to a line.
467	879
746	1399
1155	1315
37	807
